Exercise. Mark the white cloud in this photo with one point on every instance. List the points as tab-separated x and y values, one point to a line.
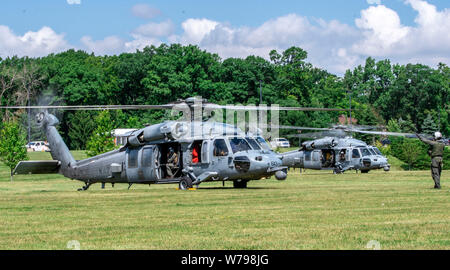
320	38
196	29
74	2
331	45
374	2
382	30
152	29
139	43
145	11
427	42
109	45
34	44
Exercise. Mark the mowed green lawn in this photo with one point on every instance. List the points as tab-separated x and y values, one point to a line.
312	210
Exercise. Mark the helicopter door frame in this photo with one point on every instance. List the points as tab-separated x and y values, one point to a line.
219	160
205	152
356	161
156	155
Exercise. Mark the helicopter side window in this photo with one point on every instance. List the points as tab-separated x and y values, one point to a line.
253	143
263	143
220	148
133	158
239	144
355	153
308	156
147	157
365	152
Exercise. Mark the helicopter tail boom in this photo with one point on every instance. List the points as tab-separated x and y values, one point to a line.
59	150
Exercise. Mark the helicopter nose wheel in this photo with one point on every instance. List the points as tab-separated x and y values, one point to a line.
185	183
85	187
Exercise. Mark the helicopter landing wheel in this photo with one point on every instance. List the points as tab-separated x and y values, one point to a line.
240	183
366	171
185	183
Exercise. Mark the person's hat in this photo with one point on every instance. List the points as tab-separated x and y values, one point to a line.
437	135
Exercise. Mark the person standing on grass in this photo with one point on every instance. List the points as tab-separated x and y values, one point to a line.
436	152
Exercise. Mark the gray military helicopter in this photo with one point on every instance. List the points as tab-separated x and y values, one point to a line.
185	152
335	149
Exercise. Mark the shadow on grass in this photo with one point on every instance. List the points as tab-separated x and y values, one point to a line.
230	188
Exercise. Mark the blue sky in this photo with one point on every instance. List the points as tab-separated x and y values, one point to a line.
338	34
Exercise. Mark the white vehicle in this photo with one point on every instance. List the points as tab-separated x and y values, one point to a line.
280	142
40	146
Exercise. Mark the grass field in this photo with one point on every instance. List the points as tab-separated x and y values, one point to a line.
312	210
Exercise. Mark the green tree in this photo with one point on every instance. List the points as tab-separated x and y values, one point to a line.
12	145
101	140
429	126
411	151
393	126
80	129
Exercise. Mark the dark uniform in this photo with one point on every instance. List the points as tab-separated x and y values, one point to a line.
172	163
436	152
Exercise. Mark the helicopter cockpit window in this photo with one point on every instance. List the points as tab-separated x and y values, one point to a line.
263	143
239	144
365	152
377	151
220	148
355	153
372	151
253	143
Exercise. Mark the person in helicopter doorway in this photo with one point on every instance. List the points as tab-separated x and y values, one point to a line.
341	162
172	162
436	152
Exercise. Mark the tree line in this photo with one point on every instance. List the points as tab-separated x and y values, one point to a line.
407	98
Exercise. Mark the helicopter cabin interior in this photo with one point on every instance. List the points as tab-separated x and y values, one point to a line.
327	158
170	160
196	150
199	151
324	158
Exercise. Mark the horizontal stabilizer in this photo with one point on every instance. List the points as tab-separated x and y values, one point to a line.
37	167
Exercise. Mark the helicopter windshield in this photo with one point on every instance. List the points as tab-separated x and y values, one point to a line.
377	151
365	152
263	143
239	144
253	143
372	151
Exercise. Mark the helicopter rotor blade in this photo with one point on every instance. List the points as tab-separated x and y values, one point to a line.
300	128
293	127
357	127
386	133
313	135
171	106
90	107
269	108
